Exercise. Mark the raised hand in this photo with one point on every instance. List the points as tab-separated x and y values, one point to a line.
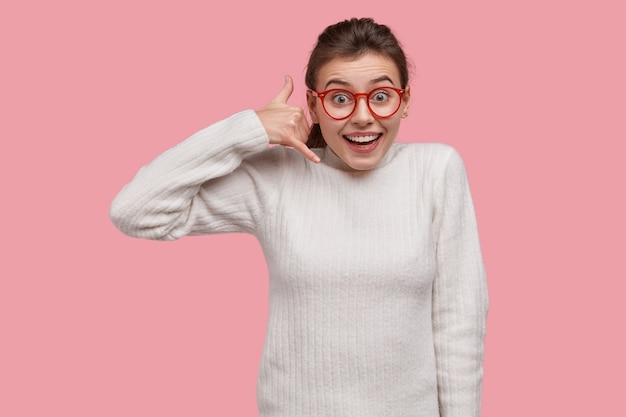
285	124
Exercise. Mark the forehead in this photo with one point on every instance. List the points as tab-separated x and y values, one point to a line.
362	71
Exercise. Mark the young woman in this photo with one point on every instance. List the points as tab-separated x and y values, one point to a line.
377	294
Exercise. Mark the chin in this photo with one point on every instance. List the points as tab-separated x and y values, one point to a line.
364	159
362	165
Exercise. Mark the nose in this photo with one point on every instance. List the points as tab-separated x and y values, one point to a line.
362	113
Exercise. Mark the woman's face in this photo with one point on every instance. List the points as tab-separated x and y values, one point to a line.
361	140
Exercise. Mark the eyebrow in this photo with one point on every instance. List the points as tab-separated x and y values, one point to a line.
347	84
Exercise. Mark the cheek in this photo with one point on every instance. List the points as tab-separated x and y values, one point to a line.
331	129
394	124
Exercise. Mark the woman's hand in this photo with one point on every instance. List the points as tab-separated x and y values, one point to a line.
286	125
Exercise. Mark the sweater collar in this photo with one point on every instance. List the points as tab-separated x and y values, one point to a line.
331	159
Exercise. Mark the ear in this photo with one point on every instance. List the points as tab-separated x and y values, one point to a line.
406	101
311	102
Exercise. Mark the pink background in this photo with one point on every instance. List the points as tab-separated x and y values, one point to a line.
93	323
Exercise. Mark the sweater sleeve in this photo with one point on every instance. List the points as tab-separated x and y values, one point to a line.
460	299
202	185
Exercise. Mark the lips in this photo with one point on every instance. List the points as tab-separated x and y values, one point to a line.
363	143
361	139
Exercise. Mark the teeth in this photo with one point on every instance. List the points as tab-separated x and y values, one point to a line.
362	139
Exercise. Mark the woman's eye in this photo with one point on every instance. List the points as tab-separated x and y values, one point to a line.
341	98
379	96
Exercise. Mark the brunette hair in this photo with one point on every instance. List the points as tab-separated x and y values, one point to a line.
352	38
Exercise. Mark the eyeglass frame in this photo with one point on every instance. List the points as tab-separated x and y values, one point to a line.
400	91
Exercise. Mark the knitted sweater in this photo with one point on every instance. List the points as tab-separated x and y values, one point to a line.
377	294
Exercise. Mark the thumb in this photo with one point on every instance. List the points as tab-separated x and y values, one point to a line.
285	92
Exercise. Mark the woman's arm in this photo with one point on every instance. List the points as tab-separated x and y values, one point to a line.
460	300
204	185
198	186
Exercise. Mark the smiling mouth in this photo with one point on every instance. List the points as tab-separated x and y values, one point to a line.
362	140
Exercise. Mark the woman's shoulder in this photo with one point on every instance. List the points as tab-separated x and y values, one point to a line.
428	155
273	161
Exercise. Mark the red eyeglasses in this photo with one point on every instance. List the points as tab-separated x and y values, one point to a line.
382	102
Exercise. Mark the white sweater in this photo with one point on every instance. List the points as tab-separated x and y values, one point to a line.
377	297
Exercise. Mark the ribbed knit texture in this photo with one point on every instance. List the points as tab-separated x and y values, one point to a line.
377	294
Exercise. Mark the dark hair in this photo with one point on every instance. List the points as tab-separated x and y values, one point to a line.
352	38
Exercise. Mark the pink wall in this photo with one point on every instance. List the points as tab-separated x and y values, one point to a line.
97	324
